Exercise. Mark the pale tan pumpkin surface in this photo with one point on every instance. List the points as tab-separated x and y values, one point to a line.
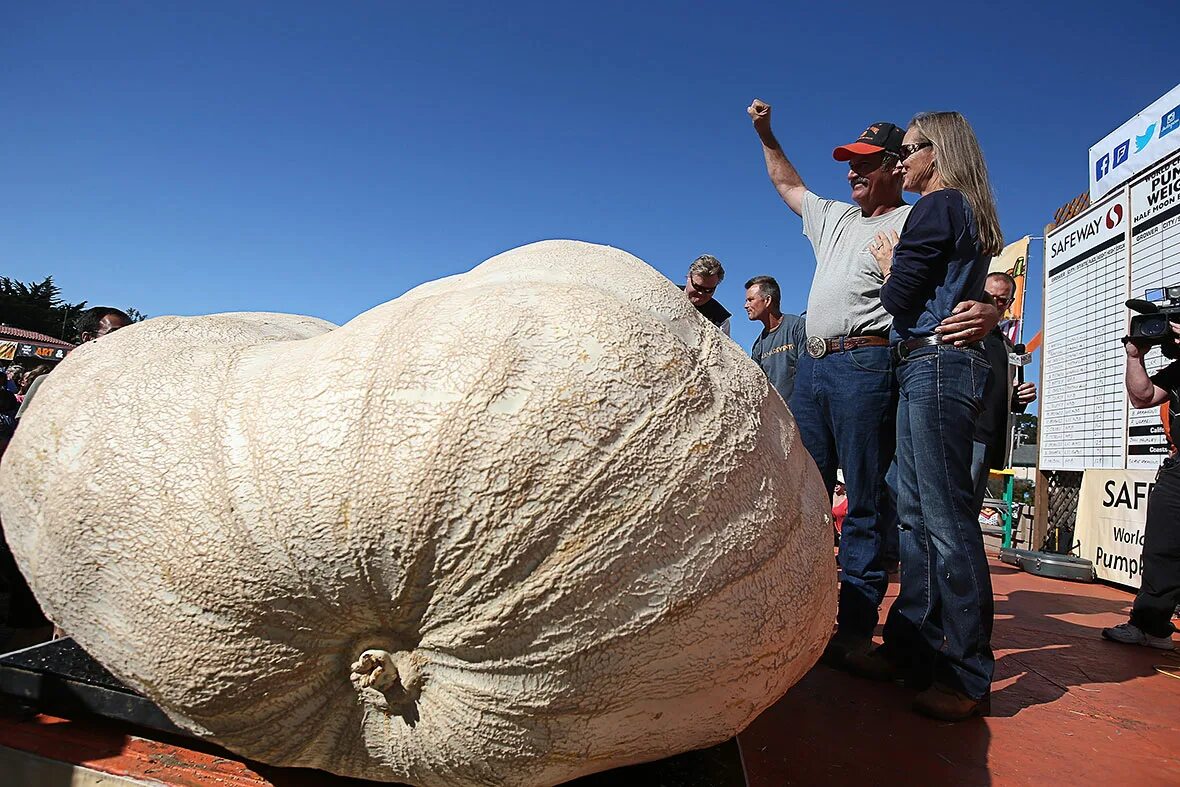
515	526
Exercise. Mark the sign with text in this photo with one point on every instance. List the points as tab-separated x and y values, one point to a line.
1155	263
1112	513
1083	400
1136	145
40	351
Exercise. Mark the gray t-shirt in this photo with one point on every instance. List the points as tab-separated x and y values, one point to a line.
777	352
845	297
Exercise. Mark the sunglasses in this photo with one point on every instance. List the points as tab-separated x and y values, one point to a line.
865	166
702	290
911	149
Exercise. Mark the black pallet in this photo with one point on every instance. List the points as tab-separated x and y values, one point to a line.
60	679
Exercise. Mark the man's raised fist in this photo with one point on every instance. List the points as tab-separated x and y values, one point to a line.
759	112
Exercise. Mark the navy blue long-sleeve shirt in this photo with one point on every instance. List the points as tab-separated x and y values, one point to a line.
936	265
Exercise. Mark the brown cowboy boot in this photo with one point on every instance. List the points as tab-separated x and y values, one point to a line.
947	704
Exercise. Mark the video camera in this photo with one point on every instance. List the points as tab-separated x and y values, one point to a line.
1150	326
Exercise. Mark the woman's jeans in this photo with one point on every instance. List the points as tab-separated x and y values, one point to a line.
942	618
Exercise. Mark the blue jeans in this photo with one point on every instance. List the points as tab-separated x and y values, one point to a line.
942	619
980	473
844	404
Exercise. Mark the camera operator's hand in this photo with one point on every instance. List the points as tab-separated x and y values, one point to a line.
1141	390
1135	349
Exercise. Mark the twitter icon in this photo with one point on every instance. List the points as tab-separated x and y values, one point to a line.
1143	141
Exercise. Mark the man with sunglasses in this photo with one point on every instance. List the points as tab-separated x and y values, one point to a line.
704	276
1002	395
845	396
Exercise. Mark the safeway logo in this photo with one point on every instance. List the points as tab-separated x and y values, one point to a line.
1114	216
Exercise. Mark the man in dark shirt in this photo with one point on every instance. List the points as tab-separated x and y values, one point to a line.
1159	592
704	276
776	349
1001	397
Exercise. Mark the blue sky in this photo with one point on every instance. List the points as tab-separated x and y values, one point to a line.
186	158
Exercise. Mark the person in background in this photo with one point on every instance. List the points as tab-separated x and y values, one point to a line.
704	276
92	324
845	396
839	505
26	622
941	622
1004	395
8	406
1150	623
26	380
12	377
21	621
777	347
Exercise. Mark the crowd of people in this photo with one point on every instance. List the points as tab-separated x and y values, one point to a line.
898	379
21	620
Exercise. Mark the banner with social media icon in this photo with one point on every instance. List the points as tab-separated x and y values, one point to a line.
1136	145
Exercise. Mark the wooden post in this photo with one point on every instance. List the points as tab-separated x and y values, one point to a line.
1040	511
1041	492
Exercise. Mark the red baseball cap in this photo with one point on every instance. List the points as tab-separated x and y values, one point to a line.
876	138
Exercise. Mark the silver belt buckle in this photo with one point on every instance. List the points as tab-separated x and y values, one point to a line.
817	347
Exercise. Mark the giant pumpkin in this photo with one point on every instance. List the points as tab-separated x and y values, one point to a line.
526	523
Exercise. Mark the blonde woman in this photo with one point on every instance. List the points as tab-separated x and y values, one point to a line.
939	631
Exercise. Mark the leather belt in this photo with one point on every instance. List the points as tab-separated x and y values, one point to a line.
818	346
902	349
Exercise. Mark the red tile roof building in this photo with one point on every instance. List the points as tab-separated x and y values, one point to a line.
7	332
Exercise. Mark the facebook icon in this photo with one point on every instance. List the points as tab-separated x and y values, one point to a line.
1102	167
1121	152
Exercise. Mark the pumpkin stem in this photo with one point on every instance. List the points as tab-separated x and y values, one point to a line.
385	672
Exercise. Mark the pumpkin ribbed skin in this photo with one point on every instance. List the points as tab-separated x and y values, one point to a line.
518	525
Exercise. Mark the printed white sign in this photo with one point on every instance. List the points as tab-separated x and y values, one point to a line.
1136	145
1083	400
1155	263
1112	512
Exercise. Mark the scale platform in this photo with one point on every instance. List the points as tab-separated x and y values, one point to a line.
59	679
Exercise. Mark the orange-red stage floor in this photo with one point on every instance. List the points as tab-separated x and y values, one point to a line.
1067	708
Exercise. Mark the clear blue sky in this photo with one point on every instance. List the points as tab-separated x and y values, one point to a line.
186	158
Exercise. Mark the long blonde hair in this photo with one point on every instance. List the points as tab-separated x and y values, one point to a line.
961	165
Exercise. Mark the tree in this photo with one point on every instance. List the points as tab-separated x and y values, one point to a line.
1023	491
37	307
1026	428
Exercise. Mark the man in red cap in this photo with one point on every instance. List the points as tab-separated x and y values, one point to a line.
845	396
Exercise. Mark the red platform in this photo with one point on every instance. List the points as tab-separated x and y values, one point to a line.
1067	708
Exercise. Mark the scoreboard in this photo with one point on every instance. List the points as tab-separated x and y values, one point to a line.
1120	247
